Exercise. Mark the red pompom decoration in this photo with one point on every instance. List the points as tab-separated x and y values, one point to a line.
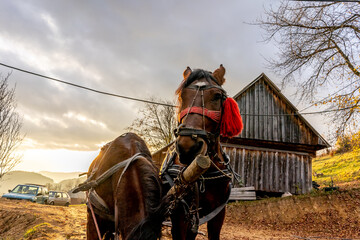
231	122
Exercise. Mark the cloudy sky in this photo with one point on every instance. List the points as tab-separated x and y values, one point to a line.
132	48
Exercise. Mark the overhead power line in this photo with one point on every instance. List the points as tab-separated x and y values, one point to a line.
87	88
296	113
153	102
326	0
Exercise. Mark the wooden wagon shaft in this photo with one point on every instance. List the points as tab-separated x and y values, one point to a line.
197	167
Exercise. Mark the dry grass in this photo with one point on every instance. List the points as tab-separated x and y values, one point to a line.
341	168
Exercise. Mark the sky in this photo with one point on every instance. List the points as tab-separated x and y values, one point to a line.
133	48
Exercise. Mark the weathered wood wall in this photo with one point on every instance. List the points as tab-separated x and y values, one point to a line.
158	157
268	170
271	170
268	116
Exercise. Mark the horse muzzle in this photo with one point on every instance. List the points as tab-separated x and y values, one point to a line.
188	147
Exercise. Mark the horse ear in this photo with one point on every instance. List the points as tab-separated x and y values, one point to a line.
219	73
187	72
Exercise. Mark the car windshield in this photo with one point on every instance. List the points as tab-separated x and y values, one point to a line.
23	189
51	194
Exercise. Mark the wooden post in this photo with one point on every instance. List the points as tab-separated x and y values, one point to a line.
196	168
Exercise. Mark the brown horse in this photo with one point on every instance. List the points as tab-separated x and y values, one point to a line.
124	192
204	114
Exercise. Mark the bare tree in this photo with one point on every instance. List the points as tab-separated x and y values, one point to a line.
320	42
155	124
10	125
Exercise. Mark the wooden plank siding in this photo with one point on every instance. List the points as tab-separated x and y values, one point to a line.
267	170
271	170
243	194
267	116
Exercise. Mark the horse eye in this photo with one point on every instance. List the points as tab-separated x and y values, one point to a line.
217	97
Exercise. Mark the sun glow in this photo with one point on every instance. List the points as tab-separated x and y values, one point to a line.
57	160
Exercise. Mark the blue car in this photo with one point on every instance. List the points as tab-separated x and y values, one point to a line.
31	192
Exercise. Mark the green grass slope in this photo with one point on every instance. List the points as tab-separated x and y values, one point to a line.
341	168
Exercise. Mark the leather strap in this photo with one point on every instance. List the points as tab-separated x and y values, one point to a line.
205	87
94	217
193	132
95	202
94	183
134	158
212	114
172	172
216	211
99	205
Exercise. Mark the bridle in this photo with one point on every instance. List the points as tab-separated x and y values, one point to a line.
214	115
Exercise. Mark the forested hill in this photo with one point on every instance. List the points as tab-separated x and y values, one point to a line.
14	178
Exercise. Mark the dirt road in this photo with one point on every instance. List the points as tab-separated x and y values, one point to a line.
22	219
326	216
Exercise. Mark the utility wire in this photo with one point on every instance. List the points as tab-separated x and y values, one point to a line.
158	103
325	0
87	88
296	113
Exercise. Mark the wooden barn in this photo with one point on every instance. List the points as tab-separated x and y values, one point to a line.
275	149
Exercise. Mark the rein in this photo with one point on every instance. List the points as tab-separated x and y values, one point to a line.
213	115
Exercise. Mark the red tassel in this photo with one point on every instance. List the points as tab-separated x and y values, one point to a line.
231	122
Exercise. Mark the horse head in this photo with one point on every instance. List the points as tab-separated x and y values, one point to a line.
205	113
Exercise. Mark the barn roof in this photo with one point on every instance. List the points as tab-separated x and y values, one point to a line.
291	109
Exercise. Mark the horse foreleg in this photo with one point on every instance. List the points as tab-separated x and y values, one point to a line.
178	226
106	228
91	233
181	229
215	224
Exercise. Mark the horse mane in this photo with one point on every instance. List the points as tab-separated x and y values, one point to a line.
195	75
152	186
150	182
150	227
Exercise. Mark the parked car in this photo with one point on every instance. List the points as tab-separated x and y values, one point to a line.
59	198
31	192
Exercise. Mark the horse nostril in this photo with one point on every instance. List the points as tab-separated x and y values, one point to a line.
188	148
200	145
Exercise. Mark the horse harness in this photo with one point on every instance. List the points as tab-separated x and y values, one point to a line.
94	202
214	115
171	173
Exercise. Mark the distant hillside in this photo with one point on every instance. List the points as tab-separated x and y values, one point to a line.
60	176
340	167
67	184
14	178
